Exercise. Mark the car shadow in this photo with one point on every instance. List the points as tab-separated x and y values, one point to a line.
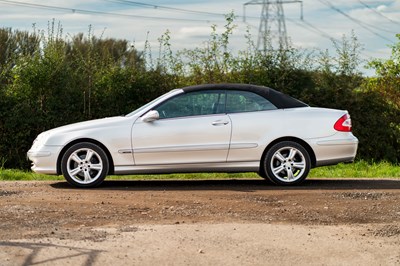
240	184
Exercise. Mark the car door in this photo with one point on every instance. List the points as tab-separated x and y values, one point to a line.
253	118
192	128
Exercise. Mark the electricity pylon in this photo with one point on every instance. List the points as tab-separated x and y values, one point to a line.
272	23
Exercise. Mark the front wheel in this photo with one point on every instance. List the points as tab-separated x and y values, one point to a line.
287	163
84	165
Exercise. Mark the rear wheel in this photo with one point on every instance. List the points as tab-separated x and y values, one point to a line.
85	165
287	163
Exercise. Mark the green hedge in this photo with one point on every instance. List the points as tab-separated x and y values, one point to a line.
49	81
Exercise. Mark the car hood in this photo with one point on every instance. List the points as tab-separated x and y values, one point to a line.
90	128
97	123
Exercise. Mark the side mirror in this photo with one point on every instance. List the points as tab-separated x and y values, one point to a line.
151	116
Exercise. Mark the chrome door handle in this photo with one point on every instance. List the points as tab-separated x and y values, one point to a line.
220	123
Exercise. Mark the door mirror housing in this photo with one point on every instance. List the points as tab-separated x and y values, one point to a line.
151	116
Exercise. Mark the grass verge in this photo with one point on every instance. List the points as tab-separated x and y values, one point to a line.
360	169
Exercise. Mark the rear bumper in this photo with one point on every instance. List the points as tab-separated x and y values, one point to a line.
349	141
334	161
339	148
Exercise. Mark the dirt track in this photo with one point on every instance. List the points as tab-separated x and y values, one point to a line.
214	222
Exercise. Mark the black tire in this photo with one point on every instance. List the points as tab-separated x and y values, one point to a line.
264	175
286	163
85	165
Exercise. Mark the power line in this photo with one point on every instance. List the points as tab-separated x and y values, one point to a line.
174	9
310	27
317	30
360	23
95	12
379	13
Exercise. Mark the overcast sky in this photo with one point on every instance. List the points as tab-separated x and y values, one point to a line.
375	23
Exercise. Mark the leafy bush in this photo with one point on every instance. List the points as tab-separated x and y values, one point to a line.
49	80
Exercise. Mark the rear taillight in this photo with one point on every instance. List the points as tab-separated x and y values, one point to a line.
343	124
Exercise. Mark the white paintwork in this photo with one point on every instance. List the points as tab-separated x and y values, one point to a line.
222	142
197	139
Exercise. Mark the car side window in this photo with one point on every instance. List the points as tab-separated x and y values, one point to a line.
245	101
193	104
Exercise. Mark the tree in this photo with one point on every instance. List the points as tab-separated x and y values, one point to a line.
387	80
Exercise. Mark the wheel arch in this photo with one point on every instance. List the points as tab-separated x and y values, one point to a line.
294	139
66	147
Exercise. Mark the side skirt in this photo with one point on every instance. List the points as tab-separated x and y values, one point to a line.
232	167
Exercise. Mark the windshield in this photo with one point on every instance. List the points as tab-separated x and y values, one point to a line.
149	104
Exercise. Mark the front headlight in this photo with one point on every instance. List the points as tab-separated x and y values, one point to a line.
40	140
36	144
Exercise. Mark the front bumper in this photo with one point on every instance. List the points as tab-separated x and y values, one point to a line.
44	159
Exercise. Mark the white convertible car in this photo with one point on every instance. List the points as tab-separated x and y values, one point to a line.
205	128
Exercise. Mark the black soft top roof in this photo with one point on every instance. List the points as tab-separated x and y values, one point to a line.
280	100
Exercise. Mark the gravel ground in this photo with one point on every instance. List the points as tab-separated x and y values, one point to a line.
213	222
